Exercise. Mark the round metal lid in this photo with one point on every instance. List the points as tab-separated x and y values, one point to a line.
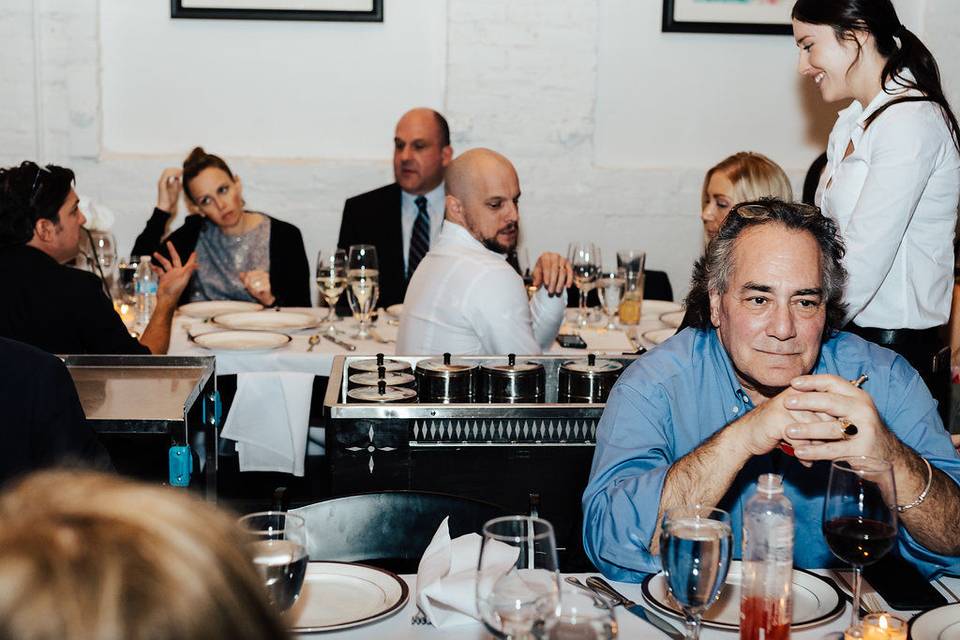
512	367
371	364
444	366
381	393
591	366
392	378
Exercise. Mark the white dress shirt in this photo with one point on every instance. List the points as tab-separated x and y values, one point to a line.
408	215
895	201
465	299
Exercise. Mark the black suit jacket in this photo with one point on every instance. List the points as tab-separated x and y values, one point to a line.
374	218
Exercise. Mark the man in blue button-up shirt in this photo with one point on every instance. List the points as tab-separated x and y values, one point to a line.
698	419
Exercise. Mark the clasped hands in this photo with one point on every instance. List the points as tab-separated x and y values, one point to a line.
810	416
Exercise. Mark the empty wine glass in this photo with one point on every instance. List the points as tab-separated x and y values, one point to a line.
518	582
695	546
584	257
860	515
610	289
332	280
278	546
363	275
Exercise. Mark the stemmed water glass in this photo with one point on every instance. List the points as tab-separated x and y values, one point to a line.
584	257
278	546
859	514
518	581
610	289
363	276
332	280
695	547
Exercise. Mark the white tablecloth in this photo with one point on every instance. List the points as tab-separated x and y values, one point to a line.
398	627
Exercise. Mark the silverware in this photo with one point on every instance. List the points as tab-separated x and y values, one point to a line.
341	343
376	336
419	617
846	587
313	340
598	600
604	588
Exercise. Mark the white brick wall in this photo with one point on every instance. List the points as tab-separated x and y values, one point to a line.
521	77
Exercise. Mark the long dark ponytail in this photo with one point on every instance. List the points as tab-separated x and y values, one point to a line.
880	19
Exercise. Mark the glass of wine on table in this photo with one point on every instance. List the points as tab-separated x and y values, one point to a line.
278	546
860	515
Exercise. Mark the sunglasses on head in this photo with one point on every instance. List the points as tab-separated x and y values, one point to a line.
38	183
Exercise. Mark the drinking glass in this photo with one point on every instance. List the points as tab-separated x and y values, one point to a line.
518	581
695	546
860	515
526	271
610	288
332	280
278	546
126	286
580	615
631	261
363	275
584	257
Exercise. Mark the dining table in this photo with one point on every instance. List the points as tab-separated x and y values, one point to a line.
399	626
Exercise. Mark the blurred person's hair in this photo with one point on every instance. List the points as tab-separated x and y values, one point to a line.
88	556
198	161
27	193
753	176
714	270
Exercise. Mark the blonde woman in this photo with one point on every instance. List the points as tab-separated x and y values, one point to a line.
86	555
742	177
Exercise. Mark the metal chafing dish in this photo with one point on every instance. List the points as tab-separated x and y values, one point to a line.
512	382
391	378
587	380
382	394
371	365
446	380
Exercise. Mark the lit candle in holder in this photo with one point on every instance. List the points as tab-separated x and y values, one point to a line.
884	626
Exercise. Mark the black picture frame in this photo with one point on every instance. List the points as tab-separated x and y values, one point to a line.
755	28
177	10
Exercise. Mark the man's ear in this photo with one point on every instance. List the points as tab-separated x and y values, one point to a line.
453	209
715	309
446	155
44	229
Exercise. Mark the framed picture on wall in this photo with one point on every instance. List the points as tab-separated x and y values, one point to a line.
728	16
336	10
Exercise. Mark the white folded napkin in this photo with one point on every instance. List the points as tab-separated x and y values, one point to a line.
607	341
269	419
447	576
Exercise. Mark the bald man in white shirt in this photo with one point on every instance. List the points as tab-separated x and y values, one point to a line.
464	297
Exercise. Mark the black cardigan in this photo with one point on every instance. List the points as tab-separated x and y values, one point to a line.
289	269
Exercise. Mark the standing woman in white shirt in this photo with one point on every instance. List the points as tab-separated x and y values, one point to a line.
892	180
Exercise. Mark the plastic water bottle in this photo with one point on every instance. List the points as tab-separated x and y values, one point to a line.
766	600
145	285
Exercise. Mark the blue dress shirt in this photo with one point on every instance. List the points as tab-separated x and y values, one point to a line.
675	397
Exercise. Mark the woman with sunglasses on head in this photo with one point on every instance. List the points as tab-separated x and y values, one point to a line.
892	179
241	254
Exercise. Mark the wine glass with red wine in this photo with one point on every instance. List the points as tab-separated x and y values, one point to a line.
860	514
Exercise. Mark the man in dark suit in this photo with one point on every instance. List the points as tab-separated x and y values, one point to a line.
403	219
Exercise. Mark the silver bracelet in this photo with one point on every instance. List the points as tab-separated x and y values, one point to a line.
923	494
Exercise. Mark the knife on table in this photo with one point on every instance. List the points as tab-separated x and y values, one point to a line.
342	343
603	587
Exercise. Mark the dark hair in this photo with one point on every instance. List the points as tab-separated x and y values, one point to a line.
444	129
197	161
27	193
712	271
879	18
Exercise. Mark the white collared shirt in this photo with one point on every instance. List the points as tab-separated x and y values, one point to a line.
895	201
409	212
465	299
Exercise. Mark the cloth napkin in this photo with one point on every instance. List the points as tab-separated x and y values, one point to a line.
607	341
269	419
447	576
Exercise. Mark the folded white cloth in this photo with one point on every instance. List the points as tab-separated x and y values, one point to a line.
269	419
447	576
606	341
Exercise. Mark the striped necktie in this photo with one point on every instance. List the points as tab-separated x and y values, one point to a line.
420	238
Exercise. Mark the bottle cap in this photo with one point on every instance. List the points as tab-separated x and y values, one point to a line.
770	483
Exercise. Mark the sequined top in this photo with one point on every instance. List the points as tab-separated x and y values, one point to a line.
221	258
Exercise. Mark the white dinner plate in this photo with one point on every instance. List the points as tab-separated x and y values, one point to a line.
341	595
942	623
395	310
672	318
816	600
657	336
658	307
209	308
241	340
267	320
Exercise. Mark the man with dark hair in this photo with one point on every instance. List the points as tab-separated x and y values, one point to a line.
699	418
54	307
43	423
402	220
